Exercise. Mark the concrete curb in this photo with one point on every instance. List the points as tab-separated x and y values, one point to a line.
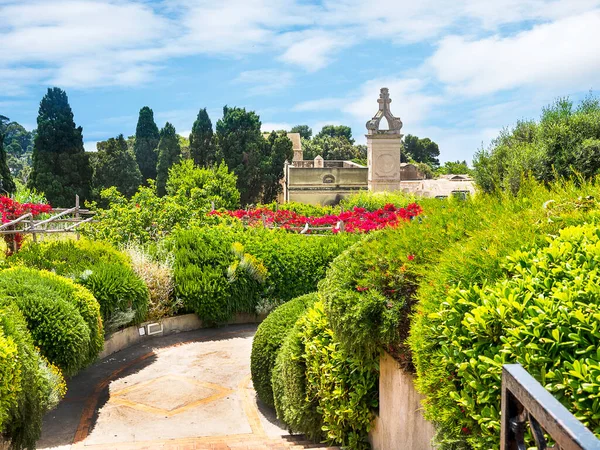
127	337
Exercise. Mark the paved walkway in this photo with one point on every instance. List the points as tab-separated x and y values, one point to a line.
186	391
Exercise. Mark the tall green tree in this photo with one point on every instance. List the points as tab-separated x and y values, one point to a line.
421	150
202	145
145	146
336	131
331	148
169	153
7	185
116	166
278	148
304	130
61	167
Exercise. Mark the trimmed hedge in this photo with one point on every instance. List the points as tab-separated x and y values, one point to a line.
544	315
222	270
57	316
39	386
322	390
268	339
105	271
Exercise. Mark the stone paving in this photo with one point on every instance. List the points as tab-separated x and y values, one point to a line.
187	391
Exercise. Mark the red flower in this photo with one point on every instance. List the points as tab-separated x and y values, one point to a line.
410	257
361	288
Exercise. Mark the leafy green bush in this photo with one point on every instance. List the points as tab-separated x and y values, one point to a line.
10	376
53	318
543	315
322	390
40	387
98	266
122	295
372	201
268	340
222	270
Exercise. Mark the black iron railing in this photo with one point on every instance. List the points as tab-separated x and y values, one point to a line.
525	401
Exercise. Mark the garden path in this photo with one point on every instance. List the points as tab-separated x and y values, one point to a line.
186	391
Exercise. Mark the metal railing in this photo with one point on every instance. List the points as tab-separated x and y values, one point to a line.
525	401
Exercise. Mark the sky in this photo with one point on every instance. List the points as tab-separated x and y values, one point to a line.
458	71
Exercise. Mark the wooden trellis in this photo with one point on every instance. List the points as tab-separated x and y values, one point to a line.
63	220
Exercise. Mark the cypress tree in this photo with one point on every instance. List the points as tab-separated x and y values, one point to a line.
202	147
279	148
7	185
116	166
61	167
169	153
146	144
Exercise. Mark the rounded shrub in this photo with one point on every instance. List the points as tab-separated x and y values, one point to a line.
543	315
322	390
40	388
10	376
268	340
53	318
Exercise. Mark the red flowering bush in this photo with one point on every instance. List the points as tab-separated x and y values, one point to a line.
356	220
11	210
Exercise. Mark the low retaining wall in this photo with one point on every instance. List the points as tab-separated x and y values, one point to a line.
400	424
178	324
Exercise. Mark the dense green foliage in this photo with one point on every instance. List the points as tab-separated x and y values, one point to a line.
54	319
304	130
192	193
29	385
169	153
563	144
202	144
544	315
106	272
322	390
337	148
222	270
268	340
336	131
18	144
116	166
421	150
7	185
146	144
257	162
61	167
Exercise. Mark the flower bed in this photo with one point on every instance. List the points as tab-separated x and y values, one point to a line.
356	220
11	210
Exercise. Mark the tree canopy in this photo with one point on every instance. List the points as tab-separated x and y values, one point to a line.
278	149
169	153
304	130
61	167
336	131
115	165
202	145
7	185
564	143
145	146
332	148
421	150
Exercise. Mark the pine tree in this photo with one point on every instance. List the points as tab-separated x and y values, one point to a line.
61	167
7	185
146	144
116	166
169	153
202	146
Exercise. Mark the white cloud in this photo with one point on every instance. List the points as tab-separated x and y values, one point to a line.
561	54
90	146
265	81
314	49
275	126
322	104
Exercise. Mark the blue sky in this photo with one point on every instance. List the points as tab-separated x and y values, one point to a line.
458	71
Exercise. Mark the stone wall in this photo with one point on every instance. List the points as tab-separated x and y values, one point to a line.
400	424
324	185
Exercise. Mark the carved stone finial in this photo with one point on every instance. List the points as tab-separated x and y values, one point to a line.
394	123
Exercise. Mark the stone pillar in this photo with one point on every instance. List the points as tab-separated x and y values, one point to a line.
319	162
384	147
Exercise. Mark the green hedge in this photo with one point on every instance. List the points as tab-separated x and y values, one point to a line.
105	271
543	316
268	340
57	316
322	390
38	387
222	270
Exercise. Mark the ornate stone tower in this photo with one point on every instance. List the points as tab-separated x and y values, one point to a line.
383	147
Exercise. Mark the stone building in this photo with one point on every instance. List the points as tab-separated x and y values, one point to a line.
326	182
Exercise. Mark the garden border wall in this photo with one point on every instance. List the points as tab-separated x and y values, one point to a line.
400	423
129	336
